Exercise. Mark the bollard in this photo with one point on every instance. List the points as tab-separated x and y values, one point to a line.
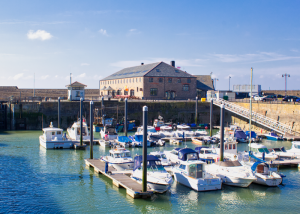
211	116
196	111
222	133
81	106
125	121
91	129
144	181
58	116
106	167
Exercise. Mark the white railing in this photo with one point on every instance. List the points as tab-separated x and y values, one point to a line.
256	117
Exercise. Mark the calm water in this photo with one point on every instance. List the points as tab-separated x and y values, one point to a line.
34	180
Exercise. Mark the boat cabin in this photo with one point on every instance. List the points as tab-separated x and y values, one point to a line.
52	134
258	148
158	123
295	145
230	147
193	169
119	153
187	154
153	163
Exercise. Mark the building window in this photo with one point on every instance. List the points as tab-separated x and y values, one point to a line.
140	79
132	79
188	80
153	91
119	92
77	93
170	80
178	80
157	70
131	92
150	79
129	80
185	87
160	79
126	80
176	71
125	92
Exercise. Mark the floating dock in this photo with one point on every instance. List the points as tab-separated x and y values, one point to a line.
287	162
133	188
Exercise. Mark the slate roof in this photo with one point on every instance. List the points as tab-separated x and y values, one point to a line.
76	84
150	70
136	71
204	82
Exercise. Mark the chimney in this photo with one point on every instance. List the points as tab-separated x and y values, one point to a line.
142	63
172	63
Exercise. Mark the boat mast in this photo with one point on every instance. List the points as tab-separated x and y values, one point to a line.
250	118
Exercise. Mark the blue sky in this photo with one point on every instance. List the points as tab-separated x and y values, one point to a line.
92	39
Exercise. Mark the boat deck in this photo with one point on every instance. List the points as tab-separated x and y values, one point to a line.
133	188
287	162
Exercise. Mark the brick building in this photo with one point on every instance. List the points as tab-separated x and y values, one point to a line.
151	81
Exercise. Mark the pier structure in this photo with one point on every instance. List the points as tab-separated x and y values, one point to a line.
256	117
133	188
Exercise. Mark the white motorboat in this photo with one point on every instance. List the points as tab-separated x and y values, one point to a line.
109	133
185	131
273	136
119	158
266	174
174	141
207	153
53	138
166	132
173	155
282	153
158	179
162	157
259	149
74	131
150	132
192	172
232	173
137	141
158	123
201	132
295	149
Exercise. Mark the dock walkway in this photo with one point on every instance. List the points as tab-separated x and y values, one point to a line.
133	188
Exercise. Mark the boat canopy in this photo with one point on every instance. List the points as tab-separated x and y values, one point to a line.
123	139
253	134
187	154
240	134
151	161
138	138
273	134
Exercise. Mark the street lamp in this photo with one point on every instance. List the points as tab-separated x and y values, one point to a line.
215	83
285	75
229	82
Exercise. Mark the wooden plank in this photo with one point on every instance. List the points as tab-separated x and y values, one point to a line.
133	188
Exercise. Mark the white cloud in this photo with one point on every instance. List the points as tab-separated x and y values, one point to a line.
39	34
132	32
45	77
84	64
103	32
81	75
18	76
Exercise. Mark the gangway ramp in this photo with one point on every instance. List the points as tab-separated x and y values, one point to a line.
256	117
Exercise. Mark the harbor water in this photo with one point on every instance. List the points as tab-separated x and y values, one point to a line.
35	180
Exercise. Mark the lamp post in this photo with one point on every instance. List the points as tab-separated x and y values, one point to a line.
229	82
285	75
215	83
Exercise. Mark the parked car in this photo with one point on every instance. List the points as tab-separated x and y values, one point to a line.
298	100
290	98
269	98
258	98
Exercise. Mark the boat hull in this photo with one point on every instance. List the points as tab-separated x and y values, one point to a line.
122	166
238	182
271	182
198	185
59	144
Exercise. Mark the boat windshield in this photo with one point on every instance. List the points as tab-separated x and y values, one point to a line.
122	155
209	152
297	146
163	156
195	170
265	150
153	168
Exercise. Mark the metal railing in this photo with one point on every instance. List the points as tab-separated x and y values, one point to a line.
256	117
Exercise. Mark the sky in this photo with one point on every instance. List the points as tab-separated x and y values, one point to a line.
42	42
